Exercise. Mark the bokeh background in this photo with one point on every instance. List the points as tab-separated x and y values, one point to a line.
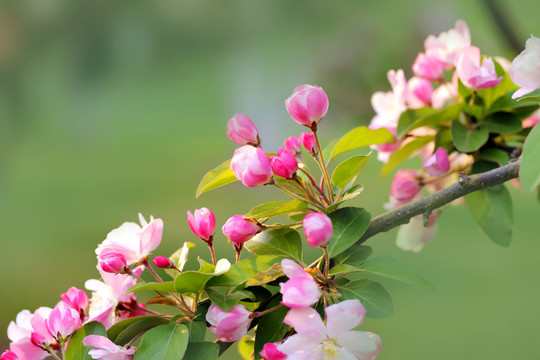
110	108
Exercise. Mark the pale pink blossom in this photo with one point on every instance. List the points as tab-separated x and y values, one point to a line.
271	352
307	105
525	69
203	223
414	235
532	120
292	144
472	73
284	165
251	166
405	185
242	131
40	327
63	321
318	229
20	332
428	67
336	340
77	299
444	94
309	143
300	290
9	355
445	46
419	92
437	164
229	325
240	230
135	242
105	349
113	263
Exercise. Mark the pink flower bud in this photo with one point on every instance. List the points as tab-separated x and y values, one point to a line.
63	321
285	164
229	325
271	352
293	145
405	185
76	299
531	120
105	349
437	164
38	340
240	230
473	74
309	143
242	131
318	229
525	69
307	105
162	262
202	223
300	290
9	355
114	263
428	67
251	166
419	93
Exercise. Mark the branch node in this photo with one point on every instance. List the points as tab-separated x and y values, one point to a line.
464	179
426	218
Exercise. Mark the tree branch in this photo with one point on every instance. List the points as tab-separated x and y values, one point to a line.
466	185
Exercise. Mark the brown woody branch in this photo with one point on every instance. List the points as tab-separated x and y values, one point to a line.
464	186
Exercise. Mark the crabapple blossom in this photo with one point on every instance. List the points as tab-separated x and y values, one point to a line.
418	92
472	73
336	340
77	299
414	235
525	69
114	263
105	349
428	67
271	352
284	165
9	355
251	166
532	120
437	164
292	143
405	185
162	262
20	333
229	325
240	230
300	290
242	131
445	46
202	222
317	229
63	321
309	143
307	105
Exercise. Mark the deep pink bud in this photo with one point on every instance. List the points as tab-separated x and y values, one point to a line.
309	143
473	74
202	223
251	166
419	93
9	355
38	340
405	185
240	230
285	164
428	67
229	325
76	298
242	131
437	164
293	145
162	262
63	321
307	105
318	229
271	352
114	263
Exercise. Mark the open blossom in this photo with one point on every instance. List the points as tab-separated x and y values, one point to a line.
525	69
251	166
405	185
135	242
229	325
336	340
240	230
445	46
428	67
285	164
63	321
271	352
437	164
300	290
414	235
472	73
202	222
20	333
242	131
77	299
307	105
105	349
318	229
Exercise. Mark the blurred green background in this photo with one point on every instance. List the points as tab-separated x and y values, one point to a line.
110	108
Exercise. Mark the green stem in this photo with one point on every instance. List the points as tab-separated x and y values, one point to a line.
322	165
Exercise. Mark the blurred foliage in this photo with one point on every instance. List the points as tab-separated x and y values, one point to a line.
111	108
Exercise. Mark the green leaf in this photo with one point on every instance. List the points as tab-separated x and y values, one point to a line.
354	256
349	224
348	170
495	155
503	123
165	342
275	208
227	301
289	185
467	140
284	242
360	137
157	286
124	331
414	118
529	171
492	210
443	139
507	104
76	350
245	348
221	175
342	268
533	96
396	269
351	194
203	350
271	327
404	153
197	330
372	295
244	270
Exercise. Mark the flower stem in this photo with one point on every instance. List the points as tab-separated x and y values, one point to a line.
322	165
147	265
